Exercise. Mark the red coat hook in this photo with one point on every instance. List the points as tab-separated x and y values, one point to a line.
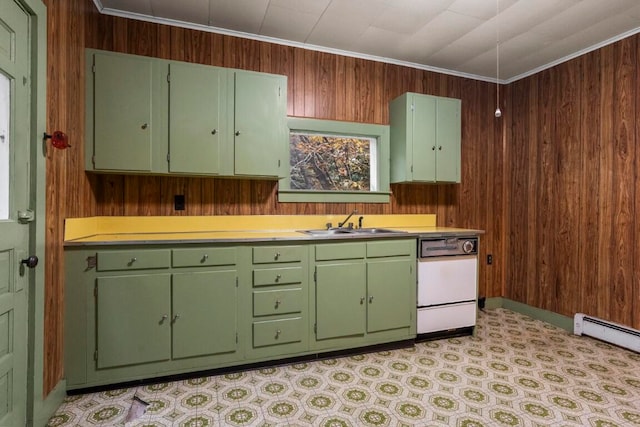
58	139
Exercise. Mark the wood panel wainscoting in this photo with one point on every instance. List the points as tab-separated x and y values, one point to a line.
553	182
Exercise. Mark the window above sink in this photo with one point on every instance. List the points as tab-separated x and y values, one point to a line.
352	167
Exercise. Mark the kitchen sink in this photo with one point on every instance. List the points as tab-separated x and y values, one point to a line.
328	231
349	231
375	231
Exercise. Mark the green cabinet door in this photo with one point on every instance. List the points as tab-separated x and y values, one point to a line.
390	284
196	95
424	138
340	300
122	112
260	129
448	126
204	313
132	315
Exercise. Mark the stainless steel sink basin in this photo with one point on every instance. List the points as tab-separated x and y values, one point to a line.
375	231
328	232
349	231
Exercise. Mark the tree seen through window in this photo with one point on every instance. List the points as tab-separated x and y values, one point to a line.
329	162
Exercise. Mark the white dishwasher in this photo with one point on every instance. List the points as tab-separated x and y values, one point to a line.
447	285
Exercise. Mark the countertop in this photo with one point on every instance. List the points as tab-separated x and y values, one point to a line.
245	228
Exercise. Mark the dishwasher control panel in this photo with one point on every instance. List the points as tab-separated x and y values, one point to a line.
447	246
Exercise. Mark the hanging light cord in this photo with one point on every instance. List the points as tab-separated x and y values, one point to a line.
498	113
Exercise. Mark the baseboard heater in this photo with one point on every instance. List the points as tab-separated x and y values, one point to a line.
610	332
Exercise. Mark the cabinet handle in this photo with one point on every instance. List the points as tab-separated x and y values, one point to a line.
370	299
163	318
277	255
132	260
176	317
277	303
213	132
278	334
237	133
144	126
205	257
278	277
362	300
440	148
433	148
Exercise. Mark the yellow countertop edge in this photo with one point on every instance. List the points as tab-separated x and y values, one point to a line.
79	229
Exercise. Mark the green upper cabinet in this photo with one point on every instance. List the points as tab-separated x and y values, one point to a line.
260	128
425	138
149	115
124	112
196	96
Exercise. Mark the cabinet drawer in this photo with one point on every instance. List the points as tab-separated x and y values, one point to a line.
278	332
334	251
284	301
202	257
138	259
277	276
273	254
390	248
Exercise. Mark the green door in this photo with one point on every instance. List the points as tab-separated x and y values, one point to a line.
204	313
133	319
340	300
389	287
448	137
195	97
15	141
260	124
424	138
123	129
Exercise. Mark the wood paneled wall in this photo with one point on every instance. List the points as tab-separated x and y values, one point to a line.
573	199
320	85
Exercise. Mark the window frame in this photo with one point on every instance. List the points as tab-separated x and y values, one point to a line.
331	127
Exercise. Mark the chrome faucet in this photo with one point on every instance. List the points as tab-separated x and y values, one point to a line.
341	224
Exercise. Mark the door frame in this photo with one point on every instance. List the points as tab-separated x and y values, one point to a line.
39	406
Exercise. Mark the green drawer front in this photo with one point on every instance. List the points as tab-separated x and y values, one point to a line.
266	303
390	248
203	257
134	259
277	276
272	254
278	332
334	251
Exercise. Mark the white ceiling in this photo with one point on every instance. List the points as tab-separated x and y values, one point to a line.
453	36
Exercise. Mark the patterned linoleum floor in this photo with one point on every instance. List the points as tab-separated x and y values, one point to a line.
516	371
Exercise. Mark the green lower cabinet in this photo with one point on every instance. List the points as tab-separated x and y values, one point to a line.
340	300
279	298
133	324
280	301
136	312
204	313
278	332
366	295
388	296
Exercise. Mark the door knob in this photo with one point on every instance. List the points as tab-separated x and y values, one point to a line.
30	262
